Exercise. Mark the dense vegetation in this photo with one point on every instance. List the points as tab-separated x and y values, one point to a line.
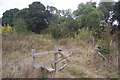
97	20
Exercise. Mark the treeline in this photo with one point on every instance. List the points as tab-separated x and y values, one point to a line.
63	23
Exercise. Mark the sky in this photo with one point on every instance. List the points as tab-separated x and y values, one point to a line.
59	4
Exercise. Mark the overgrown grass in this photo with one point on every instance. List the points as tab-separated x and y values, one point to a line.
17	59
16	48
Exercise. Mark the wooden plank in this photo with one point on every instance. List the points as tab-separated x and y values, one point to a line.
53	52
46	63
49	69
45	53
63	66
102	55
47	72
70	49
49	62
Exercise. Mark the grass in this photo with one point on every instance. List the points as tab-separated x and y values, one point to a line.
17	49
17	60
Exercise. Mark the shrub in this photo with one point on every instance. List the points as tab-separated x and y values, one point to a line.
20	26
7	29
83	34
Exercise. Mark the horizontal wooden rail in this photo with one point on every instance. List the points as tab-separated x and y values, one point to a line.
45	53
53	52
50	62
70	49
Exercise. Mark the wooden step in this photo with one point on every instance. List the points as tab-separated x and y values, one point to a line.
48	69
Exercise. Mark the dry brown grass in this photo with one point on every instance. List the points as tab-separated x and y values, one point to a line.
17	59
16	48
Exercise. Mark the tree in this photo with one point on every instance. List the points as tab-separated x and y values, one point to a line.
87	16
37	18
116	14
106	8
8	16
22	14
52	9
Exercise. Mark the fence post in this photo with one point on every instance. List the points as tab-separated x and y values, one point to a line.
95	55
33	57
56	64
44	72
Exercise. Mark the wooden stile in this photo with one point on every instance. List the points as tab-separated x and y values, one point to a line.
49	71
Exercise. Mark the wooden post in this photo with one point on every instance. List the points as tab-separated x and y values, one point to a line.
47	72
44	72
33	57
56	64
95	54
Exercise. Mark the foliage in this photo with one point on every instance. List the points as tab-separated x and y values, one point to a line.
61	23
116	14
106	8
20	26
8	16
83	34
89	16
7	29
105	40
37	17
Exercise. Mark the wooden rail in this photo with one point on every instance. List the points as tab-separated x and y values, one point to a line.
50	62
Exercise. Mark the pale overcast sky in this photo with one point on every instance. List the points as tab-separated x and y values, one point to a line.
60	4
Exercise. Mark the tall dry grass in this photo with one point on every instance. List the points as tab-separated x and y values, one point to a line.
16	48
17	59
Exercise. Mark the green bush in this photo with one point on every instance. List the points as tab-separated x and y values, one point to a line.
20	26
83	34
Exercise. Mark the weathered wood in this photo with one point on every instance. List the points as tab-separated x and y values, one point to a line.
63	67
33	57
70	50
44	72
56	63
45	53
46	63
49	71
53	52
101	55
49	62
97	52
